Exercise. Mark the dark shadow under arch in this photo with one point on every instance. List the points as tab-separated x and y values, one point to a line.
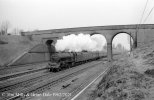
49	42
94	33
51	47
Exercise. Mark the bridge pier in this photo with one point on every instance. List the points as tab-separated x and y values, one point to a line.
109	51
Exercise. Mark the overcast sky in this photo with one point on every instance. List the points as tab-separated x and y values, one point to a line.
53	14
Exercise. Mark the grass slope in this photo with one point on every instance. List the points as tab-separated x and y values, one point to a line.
12	47
130	77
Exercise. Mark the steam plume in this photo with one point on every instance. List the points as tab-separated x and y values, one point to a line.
80	42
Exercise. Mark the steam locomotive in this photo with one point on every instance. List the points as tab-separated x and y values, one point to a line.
65	60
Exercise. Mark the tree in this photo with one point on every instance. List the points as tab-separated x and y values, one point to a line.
119	46
4	27
21	32
15	31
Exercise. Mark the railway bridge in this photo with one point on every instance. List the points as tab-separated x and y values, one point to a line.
40	53
139	33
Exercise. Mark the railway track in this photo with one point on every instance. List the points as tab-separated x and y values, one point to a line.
50	82
9	80
10	72
75	93
10	67
22	82
25	81
6	77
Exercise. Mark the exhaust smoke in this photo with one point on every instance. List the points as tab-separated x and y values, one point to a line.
81	42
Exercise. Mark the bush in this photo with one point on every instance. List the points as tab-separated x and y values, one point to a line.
30	37
3	42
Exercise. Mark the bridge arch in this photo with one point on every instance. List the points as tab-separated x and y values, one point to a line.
122	43
111	37
123	32
104	36
94	33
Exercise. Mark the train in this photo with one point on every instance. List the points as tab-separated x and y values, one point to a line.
64	60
